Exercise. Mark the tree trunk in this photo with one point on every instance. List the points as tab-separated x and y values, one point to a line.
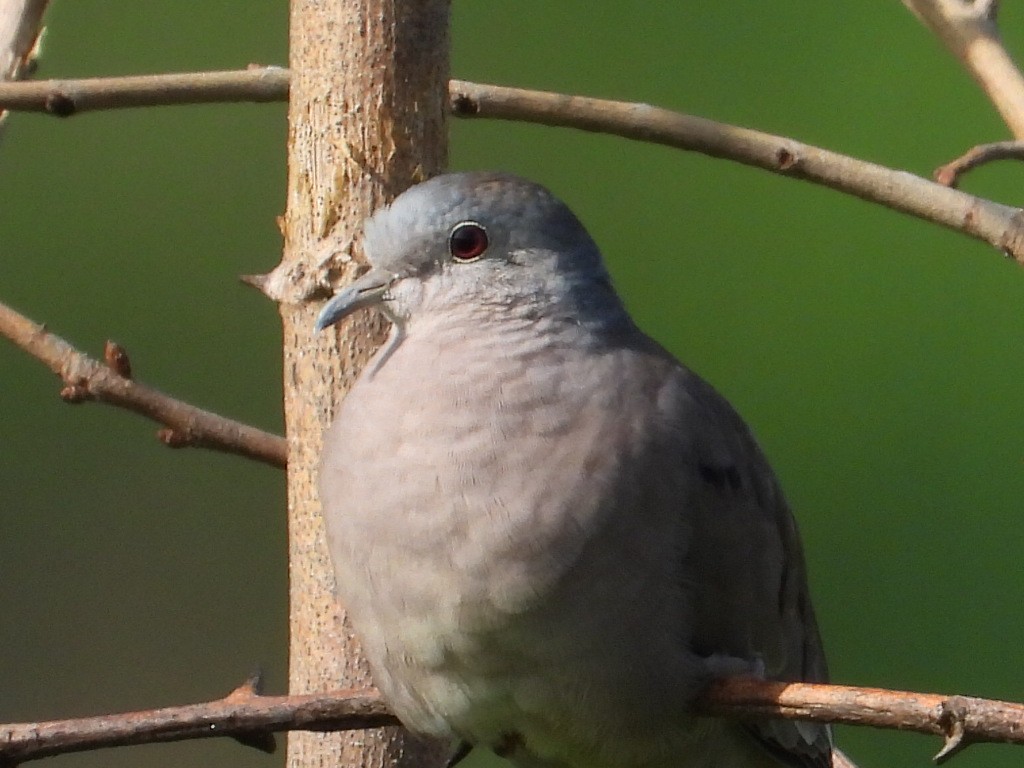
366	119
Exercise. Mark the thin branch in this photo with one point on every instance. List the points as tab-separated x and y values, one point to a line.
999	225
968	29
64	98
959	720
950	173
247	716
244	715
111	382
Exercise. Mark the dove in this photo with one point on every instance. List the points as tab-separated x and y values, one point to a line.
549	534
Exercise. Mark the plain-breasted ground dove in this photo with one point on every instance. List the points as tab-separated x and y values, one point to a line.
549	534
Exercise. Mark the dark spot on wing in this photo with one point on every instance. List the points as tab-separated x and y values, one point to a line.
721	477
812	756
461	753
508	744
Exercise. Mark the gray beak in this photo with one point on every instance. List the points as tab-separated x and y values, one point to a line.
367	291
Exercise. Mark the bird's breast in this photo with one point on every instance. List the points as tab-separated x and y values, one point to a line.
447	454
464	481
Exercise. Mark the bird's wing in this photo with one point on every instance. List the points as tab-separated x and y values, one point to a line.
746	573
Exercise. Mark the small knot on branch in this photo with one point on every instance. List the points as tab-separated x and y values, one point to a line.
60	104
1012	241
786	158
116	358
463	105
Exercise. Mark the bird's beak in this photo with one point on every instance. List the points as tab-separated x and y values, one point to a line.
364	292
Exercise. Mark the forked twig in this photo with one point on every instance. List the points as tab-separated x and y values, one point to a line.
111	382
950	173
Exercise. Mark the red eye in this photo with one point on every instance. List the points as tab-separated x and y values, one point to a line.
467	242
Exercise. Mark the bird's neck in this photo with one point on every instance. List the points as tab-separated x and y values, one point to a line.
572	312
512	333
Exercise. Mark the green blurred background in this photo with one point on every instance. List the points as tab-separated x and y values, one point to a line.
878	358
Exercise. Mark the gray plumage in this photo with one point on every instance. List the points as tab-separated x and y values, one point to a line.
549	534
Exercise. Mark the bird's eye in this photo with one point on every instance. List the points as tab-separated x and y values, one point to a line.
467	242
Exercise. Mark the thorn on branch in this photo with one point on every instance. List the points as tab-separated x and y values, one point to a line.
953	720
253	686
258	282
249	690
75	392
298	282
174	438
116	358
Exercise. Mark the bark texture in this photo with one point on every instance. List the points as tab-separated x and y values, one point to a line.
366	119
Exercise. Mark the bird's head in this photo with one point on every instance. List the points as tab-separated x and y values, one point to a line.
464	242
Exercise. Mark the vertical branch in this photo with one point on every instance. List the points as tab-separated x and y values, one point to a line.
366	119
21	24
968	29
